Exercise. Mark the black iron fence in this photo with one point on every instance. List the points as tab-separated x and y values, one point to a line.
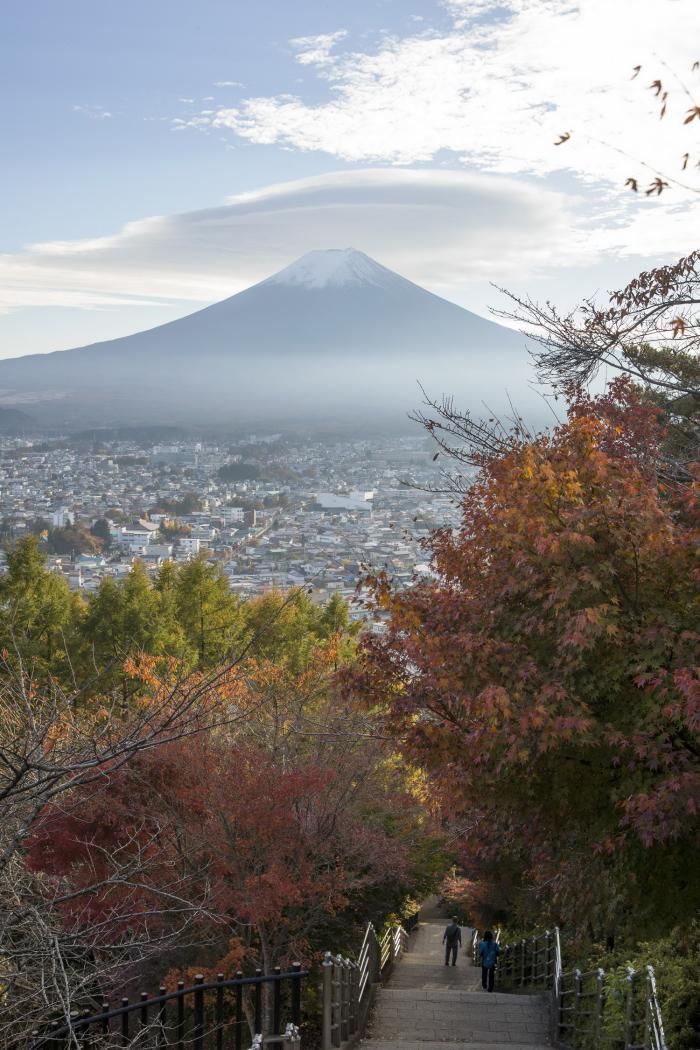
232	1013
590	1009
209	1015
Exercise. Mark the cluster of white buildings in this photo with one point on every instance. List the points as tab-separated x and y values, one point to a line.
319	515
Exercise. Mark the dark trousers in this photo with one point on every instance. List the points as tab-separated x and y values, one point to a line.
487	975
451	949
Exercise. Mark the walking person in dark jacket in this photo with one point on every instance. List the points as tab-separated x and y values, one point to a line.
489	952
452	939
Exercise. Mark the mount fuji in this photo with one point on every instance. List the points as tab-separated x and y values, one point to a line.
335	334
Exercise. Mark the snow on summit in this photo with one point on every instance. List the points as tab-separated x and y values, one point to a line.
333	268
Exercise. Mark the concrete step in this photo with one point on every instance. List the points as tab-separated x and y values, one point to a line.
457	1026
414	1044
490	1000
466	1032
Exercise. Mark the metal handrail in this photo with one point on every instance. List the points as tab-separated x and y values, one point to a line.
348	983
655	1020
579	998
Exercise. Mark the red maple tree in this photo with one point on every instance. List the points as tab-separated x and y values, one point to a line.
547	675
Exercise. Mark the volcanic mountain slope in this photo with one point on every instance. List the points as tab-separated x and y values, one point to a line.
333	332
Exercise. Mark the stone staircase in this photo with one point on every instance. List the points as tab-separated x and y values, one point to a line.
426	1005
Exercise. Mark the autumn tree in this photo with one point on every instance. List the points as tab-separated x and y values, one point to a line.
648	331
286	826
72	540
60	949
546	677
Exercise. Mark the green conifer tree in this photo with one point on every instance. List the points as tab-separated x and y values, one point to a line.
210	615
37	610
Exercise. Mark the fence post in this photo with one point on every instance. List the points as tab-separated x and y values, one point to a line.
327	1034
337	1011
296	995
344	999
578	988
547	950
292	1038
629	1012
600	1004
523	948
560	1011
257	1005
352	1020
376	960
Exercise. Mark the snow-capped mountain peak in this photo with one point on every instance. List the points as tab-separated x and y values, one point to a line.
328	337
332	268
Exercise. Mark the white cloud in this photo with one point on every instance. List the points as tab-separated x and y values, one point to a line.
316	50
496	90
93	112
440	228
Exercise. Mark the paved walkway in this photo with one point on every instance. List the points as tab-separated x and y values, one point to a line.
426	1005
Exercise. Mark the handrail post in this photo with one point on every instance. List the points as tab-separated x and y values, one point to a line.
578	988
296	995
327	1034
292	1037
337	1011
600	1004
657	1036
198	1020
354	999
376	957
344	999
629	1012
559	1008
257	1005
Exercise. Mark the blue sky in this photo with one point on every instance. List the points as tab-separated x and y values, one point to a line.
423	131
69	172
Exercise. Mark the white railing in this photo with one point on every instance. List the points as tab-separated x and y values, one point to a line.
579	998
348	983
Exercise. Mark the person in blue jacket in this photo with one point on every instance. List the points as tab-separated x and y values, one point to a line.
489	952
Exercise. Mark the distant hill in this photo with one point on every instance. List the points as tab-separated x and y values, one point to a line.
13	420
334	336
